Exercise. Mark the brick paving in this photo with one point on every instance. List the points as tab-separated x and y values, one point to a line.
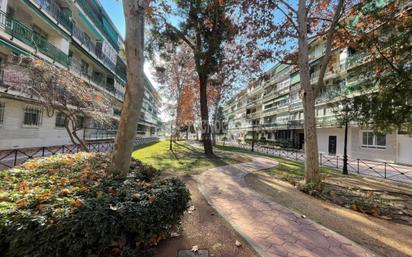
270	228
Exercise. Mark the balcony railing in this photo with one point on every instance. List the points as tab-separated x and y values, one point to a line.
295	124
76	66
326	121
50	7
92	47
84	4
121	69
23	33
54	10
357	59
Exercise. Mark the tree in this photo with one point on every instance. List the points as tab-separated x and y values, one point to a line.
276	28
60	93
175	72
380	36
134	11
187	109
204	26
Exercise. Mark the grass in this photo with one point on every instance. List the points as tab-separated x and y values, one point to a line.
184	157
287	169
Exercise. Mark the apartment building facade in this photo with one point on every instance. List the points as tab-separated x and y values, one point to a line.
272	111
75	35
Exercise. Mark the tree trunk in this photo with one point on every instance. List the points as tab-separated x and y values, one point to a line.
126	134
312	174
215	120
204	114
73	135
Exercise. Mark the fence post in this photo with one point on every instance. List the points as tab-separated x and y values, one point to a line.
385	169
337	162
15	157
42	152
320	157
63	149
296	155
358	165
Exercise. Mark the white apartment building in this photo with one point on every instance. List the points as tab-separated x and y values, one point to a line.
272	110
75	35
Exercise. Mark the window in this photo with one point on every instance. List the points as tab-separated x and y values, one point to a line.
2	106
32	116
60	120
373	140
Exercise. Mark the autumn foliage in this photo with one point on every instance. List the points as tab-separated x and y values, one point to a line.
65	205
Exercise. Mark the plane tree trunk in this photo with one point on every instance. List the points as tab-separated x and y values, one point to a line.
126	133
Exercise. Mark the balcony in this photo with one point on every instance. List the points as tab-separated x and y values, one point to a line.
25	34
295	124
51	8
330	94
357	59
95	78
93	14
296	105
326	121
93	48
121	69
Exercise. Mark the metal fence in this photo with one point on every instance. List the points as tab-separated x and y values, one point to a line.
381	169
13	157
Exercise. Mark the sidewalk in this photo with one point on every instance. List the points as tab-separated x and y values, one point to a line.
271	229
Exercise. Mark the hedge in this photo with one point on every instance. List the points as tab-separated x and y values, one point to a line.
65	205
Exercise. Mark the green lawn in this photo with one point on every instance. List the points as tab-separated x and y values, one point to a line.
184	158
286	168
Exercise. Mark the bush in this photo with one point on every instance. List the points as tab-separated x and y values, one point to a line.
65	205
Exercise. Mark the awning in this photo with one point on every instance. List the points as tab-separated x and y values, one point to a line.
13	48
294	78
90	26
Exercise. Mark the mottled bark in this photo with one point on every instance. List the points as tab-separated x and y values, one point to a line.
214	120
312	174
126	134
204	114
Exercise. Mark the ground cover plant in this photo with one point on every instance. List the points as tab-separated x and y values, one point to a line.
66	205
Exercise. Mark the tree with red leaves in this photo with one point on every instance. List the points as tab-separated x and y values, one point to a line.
204	27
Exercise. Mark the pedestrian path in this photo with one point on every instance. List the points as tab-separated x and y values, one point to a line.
270	228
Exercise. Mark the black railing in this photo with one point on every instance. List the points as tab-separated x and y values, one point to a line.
14	157
381	169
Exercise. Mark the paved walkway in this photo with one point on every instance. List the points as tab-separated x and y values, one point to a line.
270	228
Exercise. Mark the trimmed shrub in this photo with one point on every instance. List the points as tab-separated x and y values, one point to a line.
65	205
